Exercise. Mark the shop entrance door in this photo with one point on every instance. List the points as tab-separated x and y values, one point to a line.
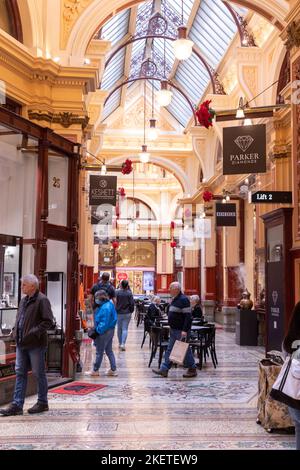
55	293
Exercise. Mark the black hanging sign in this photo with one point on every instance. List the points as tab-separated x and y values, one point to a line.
103	190
244	150
272	197
225	215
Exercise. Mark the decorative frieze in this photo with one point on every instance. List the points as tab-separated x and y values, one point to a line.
293	35
65	119
71	10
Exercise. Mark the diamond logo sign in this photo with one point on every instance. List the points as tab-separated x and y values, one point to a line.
275	296
244	142
244	150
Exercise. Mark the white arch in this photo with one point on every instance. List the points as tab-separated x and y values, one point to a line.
162	162
100	11
147	200
32	23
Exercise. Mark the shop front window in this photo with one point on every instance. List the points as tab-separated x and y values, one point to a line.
10	259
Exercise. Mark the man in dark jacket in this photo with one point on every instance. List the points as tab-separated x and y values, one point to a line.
124	307
180	321
103	284
33	320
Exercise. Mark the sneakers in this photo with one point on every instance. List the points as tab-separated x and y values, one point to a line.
112	373
122	347
92	373
39	407
12	410
190	373
162	373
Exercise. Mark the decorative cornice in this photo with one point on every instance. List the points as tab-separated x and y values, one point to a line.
66	119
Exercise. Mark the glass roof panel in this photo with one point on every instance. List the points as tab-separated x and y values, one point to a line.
176	5
116	28
114	71
112	104
193	77
179	108
213	29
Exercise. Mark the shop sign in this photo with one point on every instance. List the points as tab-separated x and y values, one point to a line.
103	190
122	277
202	228
225	215
7	370
272	197
244	150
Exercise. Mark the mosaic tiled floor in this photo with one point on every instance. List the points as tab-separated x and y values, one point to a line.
137	410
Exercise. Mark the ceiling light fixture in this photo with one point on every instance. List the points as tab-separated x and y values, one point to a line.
164	95
152	132
144	155
183	47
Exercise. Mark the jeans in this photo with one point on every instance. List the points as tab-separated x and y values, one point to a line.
34	358
103	344
123	322
189	358
295	415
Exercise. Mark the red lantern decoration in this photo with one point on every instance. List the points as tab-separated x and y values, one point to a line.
205	114
115	244
207	196
127	167
173	244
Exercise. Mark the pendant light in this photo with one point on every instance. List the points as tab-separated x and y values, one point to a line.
183	47
164	95
152	132
144	155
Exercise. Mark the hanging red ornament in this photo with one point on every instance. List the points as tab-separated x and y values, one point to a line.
172	225
115	244
173	244
205	114
127	167
207	196
122	192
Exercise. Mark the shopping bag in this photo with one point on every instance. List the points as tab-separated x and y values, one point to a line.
286	388
179	351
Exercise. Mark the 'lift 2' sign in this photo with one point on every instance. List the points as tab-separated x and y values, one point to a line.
272	197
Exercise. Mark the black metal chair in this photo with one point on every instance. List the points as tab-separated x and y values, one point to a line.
158	341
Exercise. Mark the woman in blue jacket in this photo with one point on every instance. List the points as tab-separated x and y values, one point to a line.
105	322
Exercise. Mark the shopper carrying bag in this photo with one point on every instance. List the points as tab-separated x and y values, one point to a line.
287	386
179	352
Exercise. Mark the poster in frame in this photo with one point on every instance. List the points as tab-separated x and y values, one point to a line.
9	283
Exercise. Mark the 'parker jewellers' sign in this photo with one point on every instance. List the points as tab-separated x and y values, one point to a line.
244	150
225	215
103	190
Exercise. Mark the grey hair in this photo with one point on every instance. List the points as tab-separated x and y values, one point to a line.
31	279
101	294
175	285
156	298
195	298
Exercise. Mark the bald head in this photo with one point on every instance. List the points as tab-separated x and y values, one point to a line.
175	289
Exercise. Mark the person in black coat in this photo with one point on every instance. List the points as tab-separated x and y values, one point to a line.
197	313
153	312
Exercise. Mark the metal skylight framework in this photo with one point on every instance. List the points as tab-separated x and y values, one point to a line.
211	27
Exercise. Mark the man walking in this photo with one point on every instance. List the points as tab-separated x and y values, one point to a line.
103	284
33	320
180	321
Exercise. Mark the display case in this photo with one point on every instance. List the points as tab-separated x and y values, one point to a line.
55	291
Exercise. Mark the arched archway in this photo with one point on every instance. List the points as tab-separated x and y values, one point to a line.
94	17
163	163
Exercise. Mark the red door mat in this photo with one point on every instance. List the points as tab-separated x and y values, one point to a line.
77	388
